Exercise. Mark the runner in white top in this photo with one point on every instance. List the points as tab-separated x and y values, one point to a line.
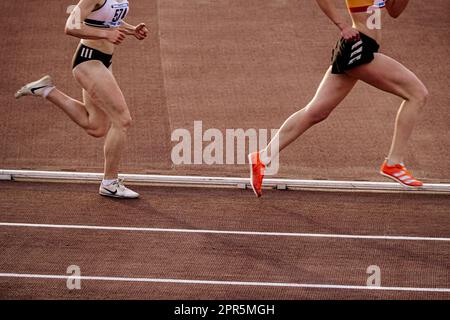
103	112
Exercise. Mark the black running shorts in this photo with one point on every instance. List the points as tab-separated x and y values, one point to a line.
85	53
350	54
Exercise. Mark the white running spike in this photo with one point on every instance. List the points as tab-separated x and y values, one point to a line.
117	190
36	88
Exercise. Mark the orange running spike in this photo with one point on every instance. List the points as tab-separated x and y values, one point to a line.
400	174
257	169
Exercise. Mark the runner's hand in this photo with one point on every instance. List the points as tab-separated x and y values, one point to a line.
350	34
115	36
141	31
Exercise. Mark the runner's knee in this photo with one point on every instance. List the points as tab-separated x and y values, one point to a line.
423	95
420	95
123	121
99	131
126	121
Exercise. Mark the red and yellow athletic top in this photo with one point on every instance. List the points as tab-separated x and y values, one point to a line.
363	5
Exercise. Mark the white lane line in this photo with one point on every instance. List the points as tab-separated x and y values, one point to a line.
223	232
222	283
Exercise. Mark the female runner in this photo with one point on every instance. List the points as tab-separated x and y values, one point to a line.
103	112
355	58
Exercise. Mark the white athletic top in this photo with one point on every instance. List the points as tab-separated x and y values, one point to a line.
109	15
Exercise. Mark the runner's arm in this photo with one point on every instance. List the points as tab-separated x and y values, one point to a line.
330	10
396	7
140	31
127	28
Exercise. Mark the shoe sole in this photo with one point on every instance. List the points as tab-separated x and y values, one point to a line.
116	197
251	176
401	182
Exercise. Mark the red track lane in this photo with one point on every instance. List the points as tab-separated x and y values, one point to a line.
220	257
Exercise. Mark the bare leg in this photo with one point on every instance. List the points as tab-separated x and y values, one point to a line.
332	90
92	119
104	92
389	75
114	145
73	108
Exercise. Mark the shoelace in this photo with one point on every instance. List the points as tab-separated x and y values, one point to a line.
403	168
119	183
406	172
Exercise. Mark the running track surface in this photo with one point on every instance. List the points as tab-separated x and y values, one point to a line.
231	64
221	257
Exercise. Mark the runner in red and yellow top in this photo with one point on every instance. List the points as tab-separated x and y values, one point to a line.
356	57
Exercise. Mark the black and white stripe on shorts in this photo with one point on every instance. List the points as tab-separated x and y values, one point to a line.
86	53
356	54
